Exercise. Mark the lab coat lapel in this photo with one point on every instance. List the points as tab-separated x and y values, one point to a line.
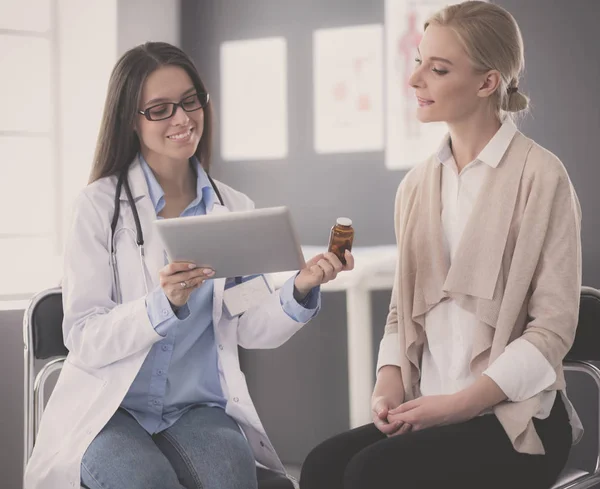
154	253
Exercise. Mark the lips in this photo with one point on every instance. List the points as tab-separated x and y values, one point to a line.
423	102
181	135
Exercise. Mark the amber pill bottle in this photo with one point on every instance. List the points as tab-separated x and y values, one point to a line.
341	237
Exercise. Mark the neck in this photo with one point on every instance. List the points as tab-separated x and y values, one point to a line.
471	135
176	177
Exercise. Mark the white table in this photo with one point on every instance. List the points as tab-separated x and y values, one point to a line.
374	270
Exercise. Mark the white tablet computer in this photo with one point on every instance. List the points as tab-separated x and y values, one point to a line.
234	244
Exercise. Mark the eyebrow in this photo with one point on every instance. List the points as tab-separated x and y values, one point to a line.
159	100
437	58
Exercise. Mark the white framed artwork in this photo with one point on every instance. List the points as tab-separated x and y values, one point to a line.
348	89
254	123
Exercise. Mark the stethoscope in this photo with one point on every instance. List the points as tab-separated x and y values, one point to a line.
139	235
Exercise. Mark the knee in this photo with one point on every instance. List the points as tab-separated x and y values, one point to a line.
322	468
235	465
369	469
360	471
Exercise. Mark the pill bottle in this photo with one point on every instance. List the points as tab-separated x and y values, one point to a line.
341	237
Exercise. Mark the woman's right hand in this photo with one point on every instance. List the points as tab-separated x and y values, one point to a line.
387	395
179	279
380	407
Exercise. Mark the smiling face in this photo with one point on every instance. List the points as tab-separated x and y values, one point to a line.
447	86
177	137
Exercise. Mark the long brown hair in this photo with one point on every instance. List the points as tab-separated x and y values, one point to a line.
118	143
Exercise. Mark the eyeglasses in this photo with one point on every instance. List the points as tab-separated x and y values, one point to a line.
167	110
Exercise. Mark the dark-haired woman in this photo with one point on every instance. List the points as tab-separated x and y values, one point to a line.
151	394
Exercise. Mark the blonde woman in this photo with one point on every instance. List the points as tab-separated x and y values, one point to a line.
470	387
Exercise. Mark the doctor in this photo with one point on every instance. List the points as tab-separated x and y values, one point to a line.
151	394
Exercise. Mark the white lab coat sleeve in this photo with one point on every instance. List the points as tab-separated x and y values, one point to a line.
97	330
266	325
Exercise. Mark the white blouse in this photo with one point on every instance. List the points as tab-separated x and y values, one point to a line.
521	371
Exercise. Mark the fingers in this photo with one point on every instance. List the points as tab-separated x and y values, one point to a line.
330	265
328	270
414	418
349	260
404	428
385	427
175	273
177	266
407	406
314	260
380	408
179	279
380	412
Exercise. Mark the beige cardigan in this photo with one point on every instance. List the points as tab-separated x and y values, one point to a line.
517	269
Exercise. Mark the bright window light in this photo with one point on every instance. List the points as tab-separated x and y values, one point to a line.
254	99
26	185
25	93
25	15
348	89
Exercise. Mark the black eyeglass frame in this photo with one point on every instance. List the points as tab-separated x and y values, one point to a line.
174	105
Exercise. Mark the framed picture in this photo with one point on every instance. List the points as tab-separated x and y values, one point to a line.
348	85
254	99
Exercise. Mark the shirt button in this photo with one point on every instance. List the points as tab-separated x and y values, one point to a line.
220	347
160	372
165	347
165	312
156	402
236	399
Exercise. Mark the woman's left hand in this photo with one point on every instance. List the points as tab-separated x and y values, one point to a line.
429	411
321	269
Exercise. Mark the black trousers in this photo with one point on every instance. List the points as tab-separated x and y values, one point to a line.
476	454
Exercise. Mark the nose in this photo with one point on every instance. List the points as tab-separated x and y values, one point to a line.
180	117
416	80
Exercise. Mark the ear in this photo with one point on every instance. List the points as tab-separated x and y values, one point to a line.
489	83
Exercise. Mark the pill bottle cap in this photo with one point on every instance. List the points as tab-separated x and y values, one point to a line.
344	221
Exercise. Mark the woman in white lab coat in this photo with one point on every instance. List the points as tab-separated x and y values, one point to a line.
151	394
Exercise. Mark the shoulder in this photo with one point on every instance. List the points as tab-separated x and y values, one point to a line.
97	197
234	199
546	178
415	177
544	166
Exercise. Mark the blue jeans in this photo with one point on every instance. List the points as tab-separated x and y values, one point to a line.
204	449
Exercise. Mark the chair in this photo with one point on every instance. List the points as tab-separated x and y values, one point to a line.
43	340
585	349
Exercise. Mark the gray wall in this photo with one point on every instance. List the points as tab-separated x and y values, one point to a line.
301	388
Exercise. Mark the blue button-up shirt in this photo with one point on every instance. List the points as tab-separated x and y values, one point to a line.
181	370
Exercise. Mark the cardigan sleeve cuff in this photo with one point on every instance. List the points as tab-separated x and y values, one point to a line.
521	371
389	351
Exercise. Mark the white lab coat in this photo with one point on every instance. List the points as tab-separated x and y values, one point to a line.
108	342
